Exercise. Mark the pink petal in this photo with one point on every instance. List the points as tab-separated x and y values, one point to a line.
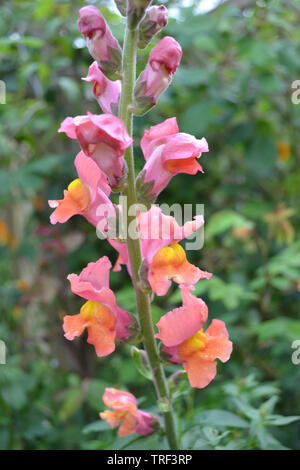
181	323
157	135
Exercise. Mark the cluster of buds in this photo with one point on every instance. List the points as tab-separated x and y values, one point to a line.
101	170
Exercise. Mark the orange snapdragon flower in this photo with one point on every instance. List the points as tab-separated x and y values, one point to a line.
165	260
181	332
104	320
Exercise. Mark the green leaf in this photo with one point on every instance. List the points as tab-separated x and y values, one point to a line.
278	420
141	362
221	418
225	220
96	426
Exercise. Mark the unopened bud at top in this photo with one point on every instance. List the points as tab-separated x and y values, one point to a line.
155	20
103	47
136	10
155	79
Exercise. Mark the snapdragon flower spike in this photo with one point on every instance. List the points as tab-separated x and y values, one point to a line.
103	47
155	79
84	194
106	92
163	258
185	342
102	137
102	317
155	20
125	410
167	152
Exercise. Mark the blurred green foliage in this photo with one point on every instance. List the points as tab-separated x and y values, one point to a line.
234	88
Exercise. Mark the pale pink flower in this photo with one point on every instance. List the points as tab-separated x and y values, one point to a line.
106	92
168	152
104	138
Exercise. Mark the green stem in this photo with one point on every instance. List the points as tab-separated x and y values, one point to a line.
134	250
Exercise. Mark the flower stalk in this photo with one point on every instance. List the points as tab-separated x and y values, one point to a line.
134	249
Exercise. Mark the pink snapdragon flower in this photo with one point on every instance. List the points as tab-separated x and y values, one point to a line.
155	79
103	318
106	92
125	410
184	340
163	258
103	47
84	194
104	138
168	152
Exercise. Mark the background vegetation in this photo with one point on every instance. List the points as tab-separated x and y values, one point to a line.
234	88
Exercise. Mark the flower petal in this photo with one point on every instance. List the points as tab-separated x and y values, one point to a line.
200	373
73	326
181	323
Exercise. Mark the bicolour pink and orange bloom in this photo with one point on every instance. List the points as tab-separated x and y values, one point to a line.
104	319
155	79
103	138
103	46
126	412
169	152
84	194
107	92
101	169
164	259
185	342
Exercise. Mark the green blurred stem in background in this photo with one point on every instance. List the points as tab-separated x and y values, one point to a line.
142	298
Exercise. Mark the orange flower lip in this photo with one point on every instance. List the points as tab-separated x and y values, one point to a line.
182	164
100	322
80	194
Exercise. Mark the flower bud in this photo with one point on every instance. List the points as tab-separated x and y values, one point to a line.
136	10
155	20
103	47
155	79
